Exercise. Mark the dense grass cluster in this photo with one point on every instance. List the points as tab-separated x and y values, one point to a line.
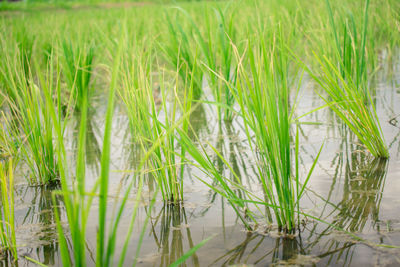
160	63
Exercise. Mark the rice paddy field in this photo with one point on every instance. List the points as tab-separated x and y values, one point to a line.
204	133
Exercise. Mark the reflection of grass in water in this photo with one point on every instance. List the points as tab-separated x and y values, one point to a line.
363	188
173	222
282	251
40	220
334	247
93	152
198	120
41	216
229	148
92	149
364	179
252	251
237	254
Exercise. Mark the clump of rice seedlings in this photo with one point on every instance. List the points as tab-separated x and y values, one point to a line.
32	125
350	48
77	201
7	222
183	55
216	48
153	120
77	68
263	97
14	68
225	61
345	83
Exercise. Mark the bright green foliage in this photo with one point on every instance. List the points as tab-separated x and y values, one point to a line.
227	68
153	122
7	222
347	87
77	68
263	96
25	44
32	124
351	48
203	43
216	49
77	201
183	55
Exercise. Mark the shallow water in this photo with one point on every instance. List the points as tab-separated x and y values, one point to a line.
348	189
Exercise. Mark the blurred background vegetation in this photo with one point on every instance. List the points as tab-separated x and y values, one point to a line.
32	5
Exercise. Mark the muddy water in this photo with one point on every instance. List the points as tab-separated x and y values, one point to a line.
349	189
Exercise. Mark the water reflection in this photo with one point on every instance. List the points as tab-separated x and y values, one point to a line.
92	147
361	179
362	192
231	148
260	250
170	230
36	230
198	121
363	183
352	201
93	152
241	253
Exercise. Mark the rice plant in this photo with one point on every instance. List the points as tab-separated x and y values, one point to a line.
351	47
78	67
216	48
345	82
153	119
10	145
183	54
77	201
25	44
33	126
224	65
263	97
7	222
170	67
14	70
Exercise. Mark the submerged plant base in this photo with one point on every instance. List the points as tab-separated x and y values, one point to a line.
172	202
274	230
